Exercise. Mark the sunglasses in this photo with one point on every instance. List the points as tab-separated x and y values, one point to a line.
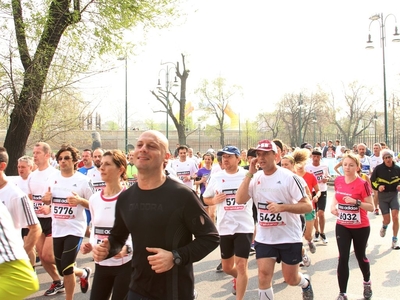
386	157
64	158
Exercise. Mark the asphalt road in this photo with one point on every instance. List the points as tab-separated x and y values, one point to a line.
385	271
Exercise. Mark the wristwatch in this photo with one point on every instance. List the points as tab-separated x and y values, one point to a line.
176	258
358	203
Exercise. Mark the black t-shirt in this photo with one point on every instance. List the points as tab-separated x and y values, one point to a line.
166	217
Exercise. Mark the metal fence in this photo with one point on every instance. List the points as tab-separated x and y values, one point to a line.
199	140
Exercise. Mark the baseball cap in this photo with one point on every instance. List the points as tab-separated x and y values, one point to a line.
252	152
229	150
278	143
316	151
266	145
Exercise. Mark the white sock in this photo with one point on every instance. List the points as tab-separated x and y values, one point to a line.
267	294
84	274
303	281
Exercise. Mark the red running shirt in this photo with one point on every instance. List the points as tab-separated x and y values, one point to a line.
350	215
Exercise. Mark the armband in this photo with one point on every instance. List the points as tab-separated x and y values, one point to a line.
248	174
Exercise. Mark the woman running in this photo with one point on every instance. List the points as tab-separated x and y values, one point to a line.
353	198
111	275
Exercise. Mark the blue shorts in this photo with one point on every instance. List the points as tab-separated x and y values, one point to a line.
289	253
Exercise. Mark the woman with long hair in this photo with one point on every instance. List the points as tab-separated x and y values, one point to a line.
113	274
353	198
301	156
290	162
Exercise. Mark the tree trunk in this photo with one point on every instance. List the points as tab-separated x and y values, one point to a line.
36	69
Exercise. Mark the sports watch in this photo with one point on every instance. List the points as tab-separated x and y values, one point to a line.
177	259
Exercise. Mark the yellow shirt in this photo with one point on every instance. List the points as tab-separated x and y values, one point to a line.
131	170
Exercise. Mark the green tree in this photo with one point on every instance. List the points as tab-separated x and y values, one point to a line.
39	27
215	97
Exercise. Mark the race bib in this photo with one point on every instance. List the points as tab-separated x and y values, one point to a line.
268	219
100	233
182	175
63	210
230	201
348	215
99	186
37	202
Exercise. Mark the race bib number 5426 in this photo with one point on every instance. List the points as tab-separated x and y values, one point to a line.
268	219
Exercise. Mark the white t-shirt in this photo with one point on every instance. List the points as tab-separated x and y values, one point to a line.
231	217
102	210
19	206
184	169
365	165
21	183
69	219
95	177
321	172
38	186
11	244
281	187
375	160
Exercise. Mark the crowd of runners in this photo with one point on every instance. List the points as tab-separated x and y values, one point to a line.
148	215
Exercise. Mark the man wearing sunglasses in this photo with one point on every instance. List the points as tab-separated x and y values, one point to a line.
67	193
386	179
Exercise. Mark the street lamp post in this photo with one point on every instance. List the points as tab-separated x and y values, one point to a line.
315	122
199	129
375	120
126	101
300	107
167	90
394	148
382	32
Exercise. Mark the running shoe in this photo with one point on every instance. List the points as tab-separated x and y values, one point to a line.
395	244
316	236
55	288
367	290
308	293
377	212
382	232
312	247
341	297
234	286
323	238
252	249
84	282
219	268
306	259
195	294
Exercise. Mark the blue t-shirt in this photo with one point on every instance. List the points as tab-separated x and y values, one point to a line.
84	170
